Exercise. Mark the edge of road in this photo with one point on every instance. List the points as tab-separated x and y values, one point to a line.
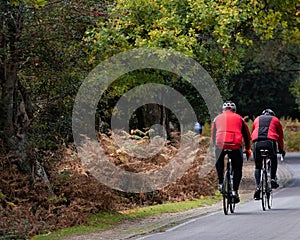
137	228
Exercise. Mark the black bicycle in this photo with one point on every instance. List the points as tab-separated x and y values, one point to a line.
265	180
228	191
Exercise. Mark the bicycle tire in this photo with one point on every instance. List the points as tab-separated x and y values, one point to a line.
269	192
268	186
231	199
226	195
270	199
264	190
231	205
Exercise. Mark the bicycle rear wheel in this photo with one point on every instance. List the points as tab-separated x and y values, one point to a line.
231	205
231	198
270	199
264	197
269	192
226	193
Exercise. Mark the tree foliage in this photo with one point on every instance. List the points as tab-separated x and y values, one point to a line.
57	64
226	37
271	64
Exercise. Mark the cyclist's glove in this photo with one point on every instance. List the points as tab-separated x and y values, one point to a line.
282	152
248	153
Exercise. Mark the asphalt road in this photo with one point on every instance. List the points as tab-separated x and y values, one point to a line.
249	221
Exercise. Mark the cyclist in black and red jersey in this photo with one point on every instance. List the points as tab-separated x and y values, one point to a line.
228	131
266	131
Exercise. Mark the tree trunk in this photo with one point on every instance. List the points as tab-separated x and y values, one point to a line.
156	114
16	107
151	115
15	118
8	80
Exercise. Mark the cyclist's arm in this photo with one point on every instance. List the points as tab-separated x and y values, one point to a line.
246	134
280	137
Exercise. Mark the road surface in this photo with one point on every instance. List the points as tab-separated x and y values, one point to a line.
249	222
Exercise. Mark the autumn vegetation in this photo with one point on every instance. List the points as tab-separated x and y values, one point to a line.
250	48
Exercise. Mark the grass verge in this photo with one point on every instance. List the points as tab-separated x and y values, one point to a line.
108	219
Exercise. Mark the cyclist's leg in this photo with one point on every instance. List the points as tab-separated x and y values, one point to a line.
219	153
274	160
258	163
257	172
237	165
274	163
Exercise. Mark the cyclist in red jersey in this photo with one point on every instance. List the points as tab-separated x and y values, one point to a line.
266	131
228	131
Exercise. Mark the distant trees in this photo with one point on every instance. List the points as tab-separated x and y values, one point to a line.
257	89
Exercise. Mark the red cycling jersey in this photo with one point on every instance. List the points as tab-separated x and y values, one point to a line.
268	127
228	131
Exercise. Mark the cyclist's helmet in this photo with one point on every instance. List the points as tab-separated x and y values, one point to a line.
229	106
268	112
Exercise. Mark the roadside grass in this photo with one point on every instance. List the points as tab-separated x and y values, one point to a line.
108	219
